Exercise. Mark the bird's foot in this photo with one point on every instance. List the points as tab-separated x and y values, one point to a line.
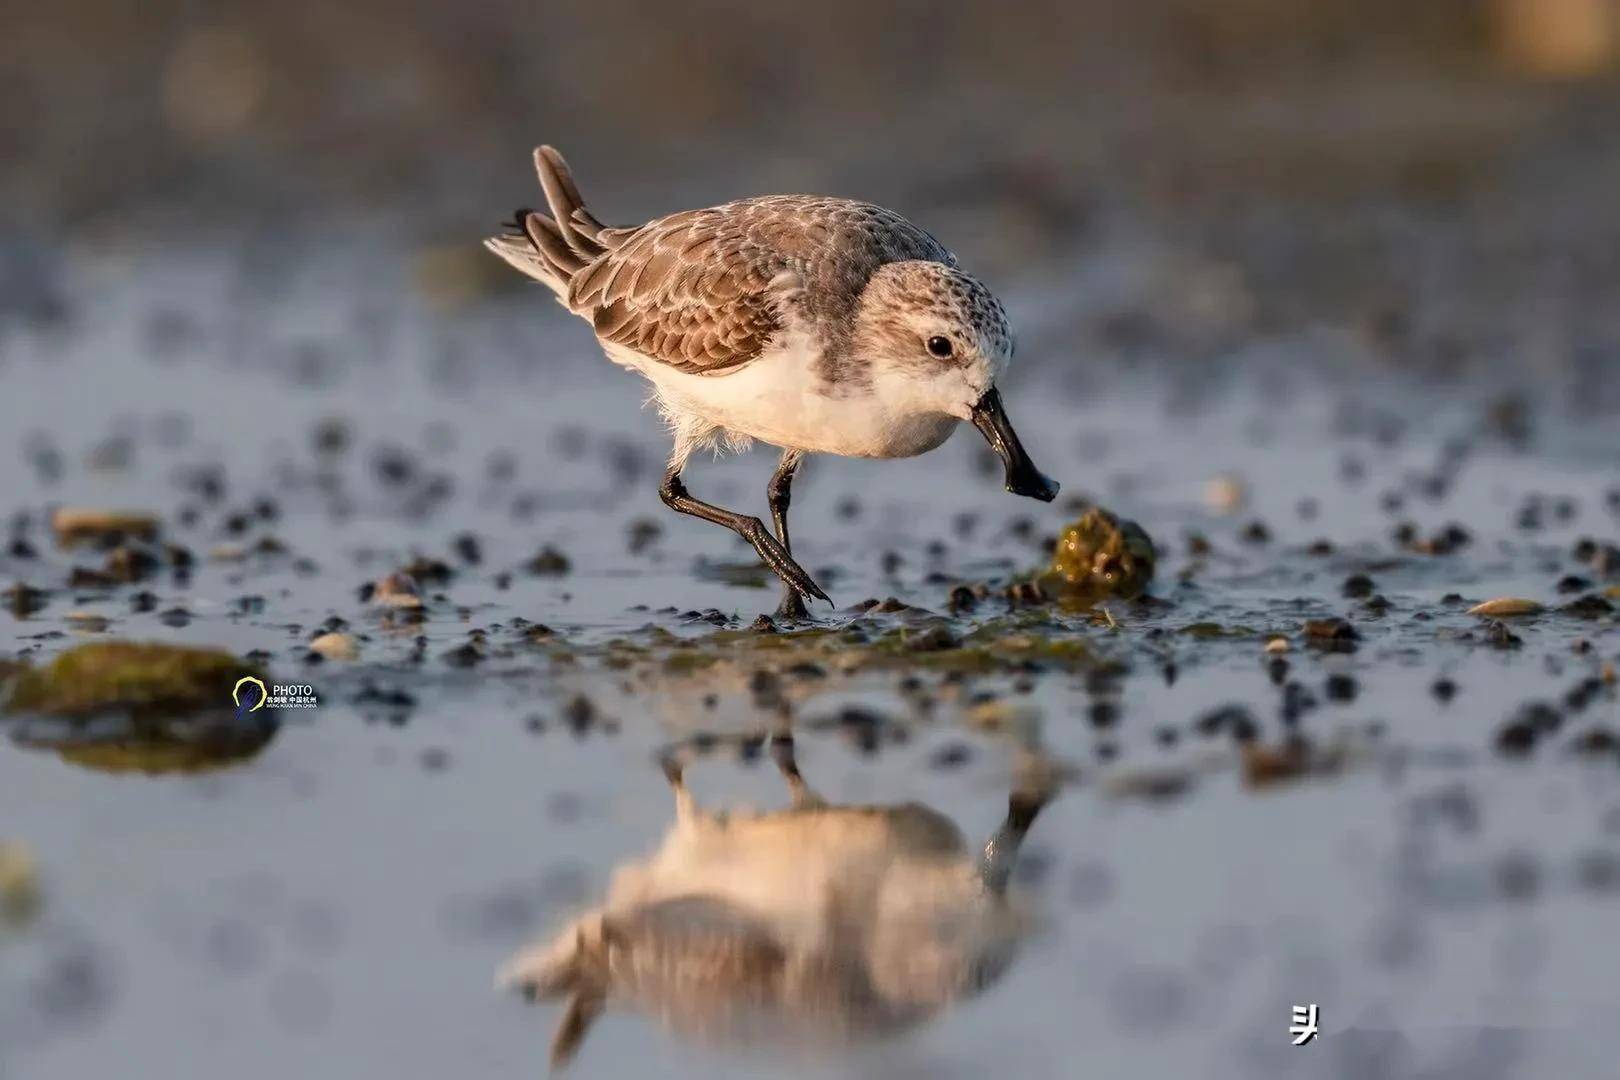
776	557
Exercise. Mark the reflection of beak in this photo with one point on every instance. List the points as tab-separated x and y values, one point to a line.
1023	478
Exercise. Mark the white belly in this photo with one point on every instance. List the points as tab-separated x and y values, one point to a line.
779	399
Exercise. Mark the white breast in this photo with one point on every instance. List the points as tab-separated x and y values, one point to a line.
781	399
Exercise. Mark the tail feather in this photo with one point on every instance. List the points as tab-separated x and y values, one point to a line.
553	248
564	201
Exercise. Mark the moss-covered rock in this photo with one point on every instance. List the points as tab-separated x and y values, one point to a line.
1099	556
126	676
156	708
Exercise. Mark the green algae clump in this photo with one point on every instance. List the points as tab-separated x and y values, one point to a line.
119	706
124	676
1099	556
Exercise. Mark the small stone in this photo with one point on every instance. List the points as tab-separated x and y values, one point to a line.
335	646
23	600
1498	635
1517	737
1330	629
1358	586
1590	606
397	590
1340	687
933	639
1225	494
87	622
548	563
1505	607
76	525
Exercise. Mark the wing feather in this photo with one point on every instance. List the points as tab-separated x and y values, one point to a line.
705	291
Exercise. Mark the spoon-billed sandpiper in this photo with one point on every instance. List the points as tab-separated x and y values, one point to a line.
817	325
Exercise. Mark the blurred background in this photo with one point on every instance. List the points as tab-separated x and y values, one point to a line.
1435	178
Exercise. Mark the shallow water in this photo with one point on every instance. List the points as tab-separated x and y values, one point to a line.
341	901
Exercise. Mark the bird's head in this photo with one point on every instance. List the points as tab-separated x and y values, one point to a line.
937	340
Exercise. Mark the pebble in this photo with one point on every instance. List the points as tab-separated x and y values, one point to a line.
1506	607
1357	586
1330	630
1340	687
548	563
1497	634
335	646
75	525
397	590
1225	494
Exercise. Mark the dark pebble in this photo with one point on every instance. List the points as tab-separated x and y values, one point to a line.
548	563
579	714
1340	687
1330	630
1228	718
1590	606
934	639
468	549
1596	741
464	656
1516	737
1498	635
1444	689
1357	586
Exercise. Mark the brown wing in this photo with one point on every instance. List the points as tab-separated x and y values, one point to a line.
705	290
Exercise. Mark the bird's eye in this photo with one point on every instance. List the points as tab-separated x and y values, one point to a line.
940	347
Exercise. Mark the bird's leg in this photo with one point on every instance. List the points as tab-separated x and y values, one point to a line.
779	493
787	764
751	529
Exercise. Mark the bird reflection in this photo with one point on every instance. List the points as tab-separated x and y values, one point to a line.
812	925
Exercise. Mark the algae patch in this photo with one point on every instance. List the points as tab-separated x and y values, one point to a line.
121	706
123	676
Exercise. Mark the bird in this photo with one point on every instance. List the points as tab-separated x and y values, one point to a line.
814	324
815	925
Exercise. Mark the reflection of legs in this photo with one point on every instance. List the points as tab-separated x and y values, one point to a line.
787	764
674	771
779	493
1001	853
751	529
